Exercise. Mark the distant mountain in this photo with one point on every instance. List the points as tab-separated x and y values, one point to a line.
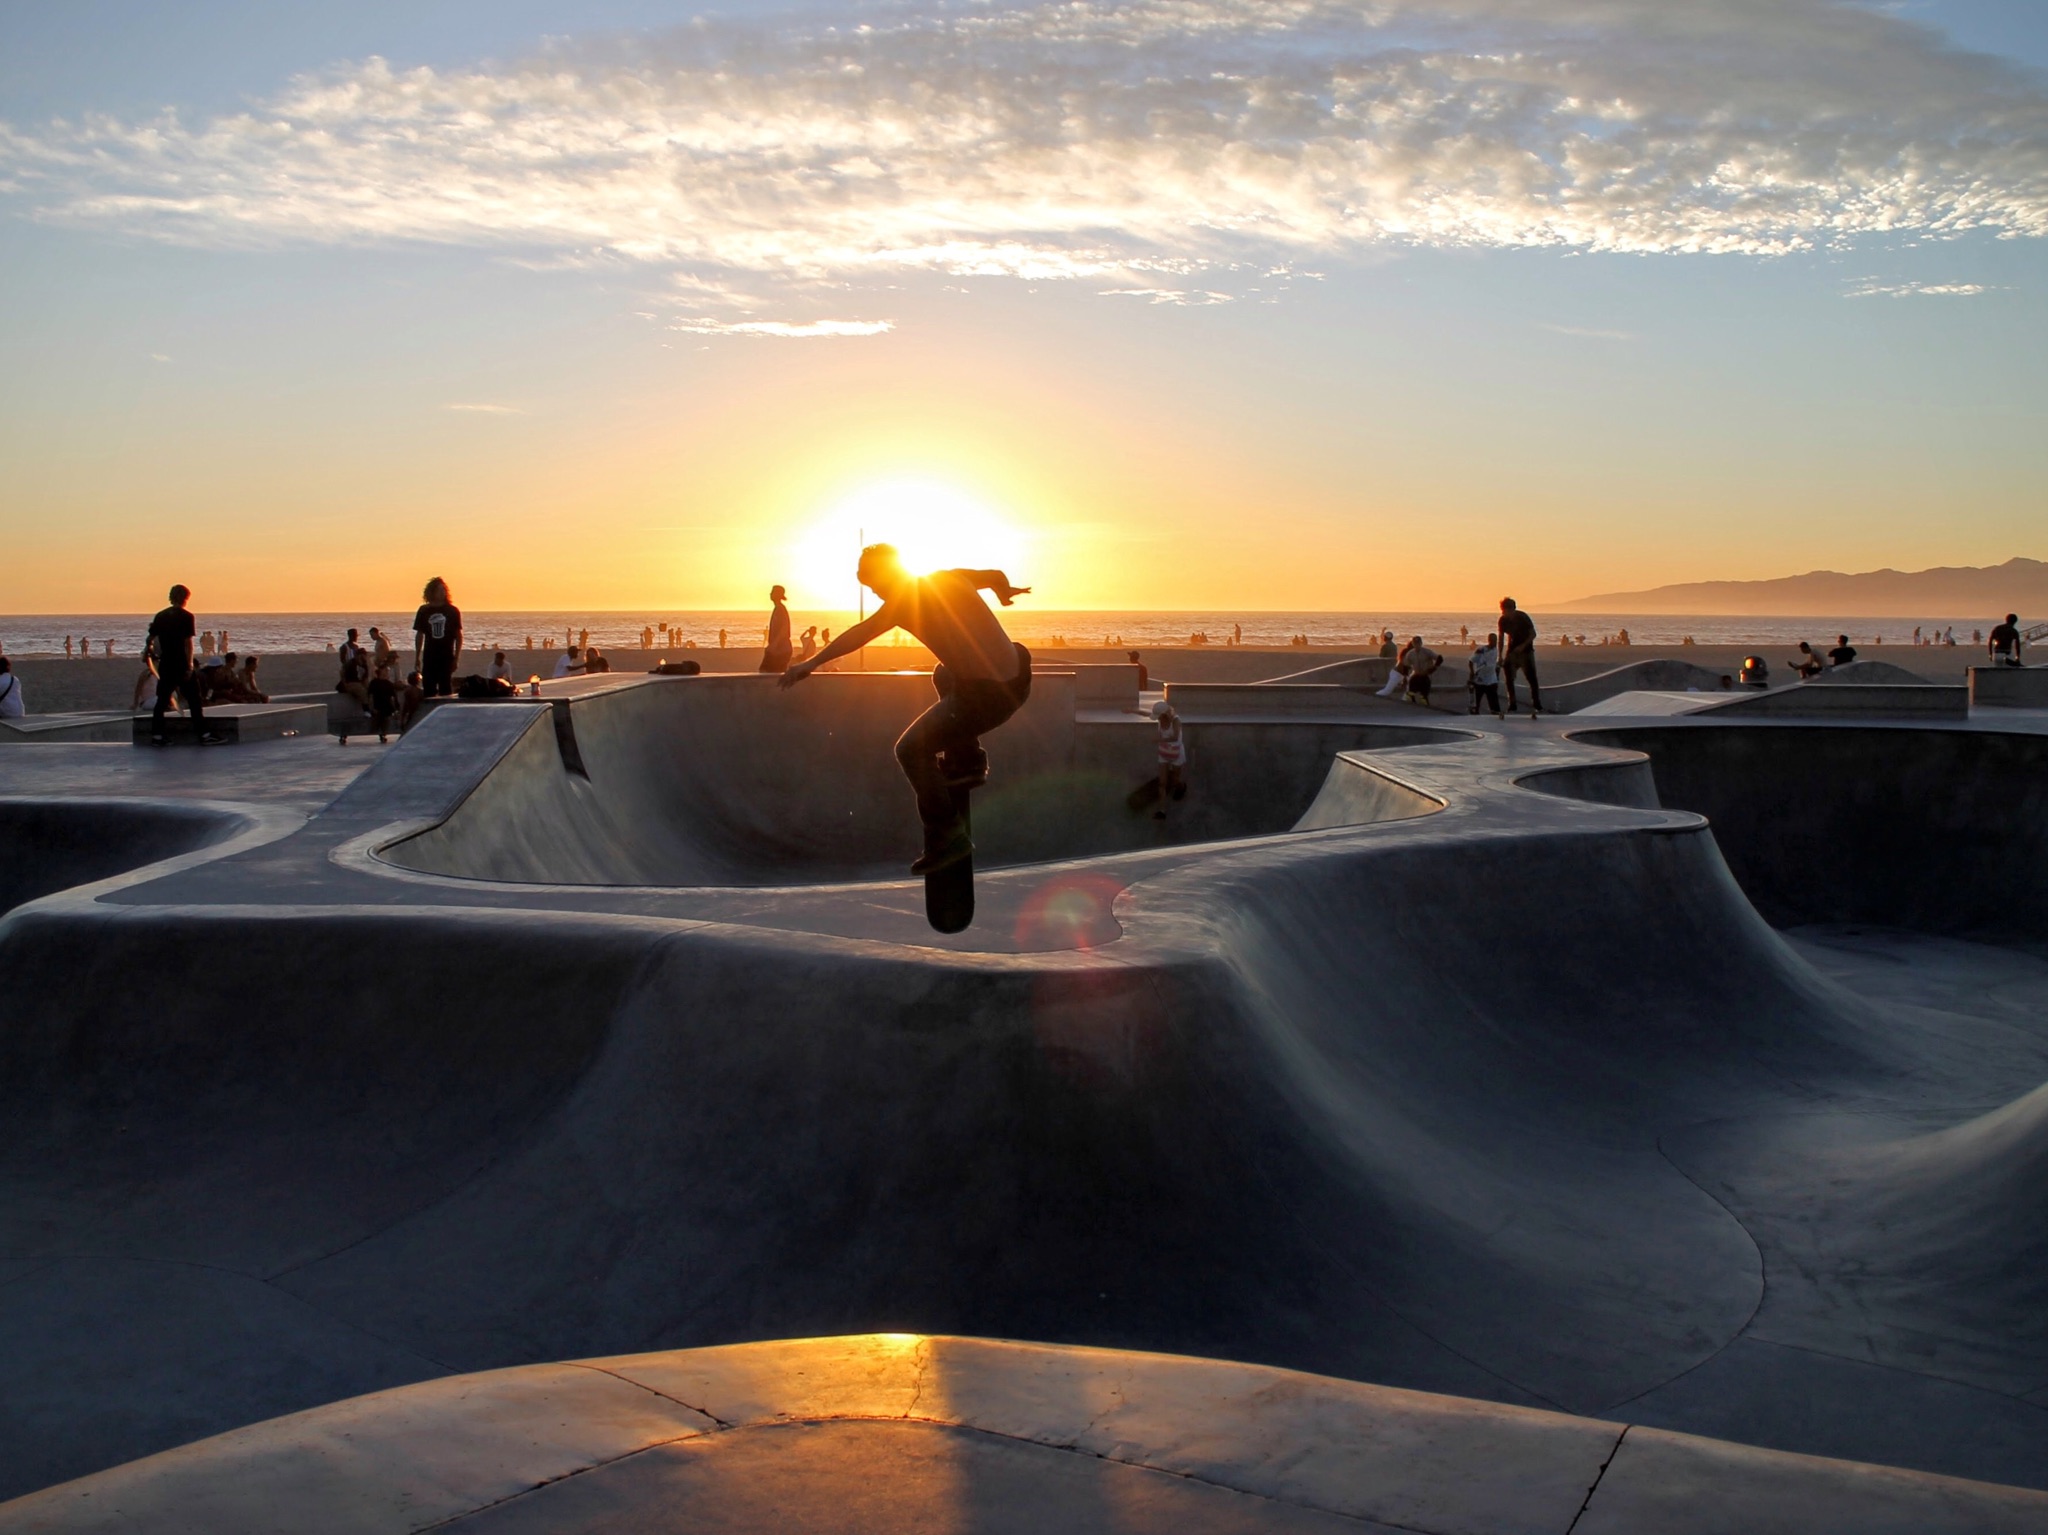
1960	591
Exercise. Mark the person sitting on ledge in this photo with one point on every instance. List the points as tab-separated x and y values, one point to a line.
1807	664
11	706
242	686
595	661
569	663
384	702
982	678
1843	653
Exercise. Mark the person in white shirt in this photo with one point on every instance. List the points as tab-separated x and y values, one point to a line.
1483	675
1173	756
569	663
1422	665
11	706
498	671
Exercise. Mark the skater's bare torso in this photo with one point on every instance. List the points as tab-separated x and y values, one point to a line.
944	611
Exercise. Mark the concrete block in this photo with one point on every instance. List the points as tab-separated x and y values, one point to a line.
2009	687
238	722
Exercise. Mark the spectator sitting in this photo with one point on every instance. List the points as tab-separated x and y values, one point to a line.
243	688
595	660
1388	649
145	687
11	706
498	671
569	663
1397	674
1843	653
384	702
409	699
355	672
809	641
216	679
382	652
1807	663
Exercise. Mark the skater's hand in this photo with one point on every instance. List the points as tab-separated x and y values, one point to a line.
793	674
1006	593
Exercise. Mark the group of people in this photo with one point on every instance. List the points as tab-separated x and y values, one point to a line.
1506	652
84	650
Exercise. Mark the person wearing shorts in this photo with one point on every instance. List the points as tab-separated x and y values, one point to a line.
1518	644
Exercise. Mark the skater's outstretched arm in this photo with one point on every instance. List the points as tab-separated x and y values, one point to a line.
995	581
866	632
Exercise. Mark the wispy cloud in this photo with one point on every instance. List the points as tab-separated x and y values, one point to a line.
798	330
1875	289
487	410
1159	149
1586	331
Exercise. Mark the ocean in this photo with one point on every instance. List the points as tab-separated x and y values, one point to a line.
32	634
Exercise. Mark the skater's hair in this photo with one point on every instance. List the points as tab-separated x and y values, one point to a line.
180	594
427	593
1507	602
878	559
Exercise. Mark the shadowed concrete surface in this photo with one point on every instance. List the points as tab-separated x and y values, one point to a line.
883	1434
1490	1077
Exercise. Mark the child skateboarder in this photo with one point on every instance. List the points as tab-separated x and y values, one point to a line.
983	677
1173	756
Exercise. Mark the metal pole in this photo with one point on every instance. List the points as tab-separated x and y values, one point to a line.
861	591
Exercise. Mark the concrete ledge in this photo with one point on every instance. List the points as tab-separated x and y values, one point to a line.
1277	700
2009	687
237	722
1887	700
106	725
668	1441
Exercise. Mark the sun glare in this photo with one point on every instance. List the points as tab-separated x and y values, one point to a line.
934	526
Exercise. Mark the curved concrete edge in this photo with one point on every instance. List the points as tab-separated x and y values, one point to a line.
232	826
422	1455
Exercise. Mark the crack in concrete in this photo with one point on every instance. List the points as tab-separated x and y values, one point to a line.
702	1412
1598	1477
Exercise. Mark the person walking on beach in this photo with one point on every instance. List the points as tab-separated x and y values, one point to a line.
2005	642
11	706
775	655
1518	641
982	678
436	640
171	634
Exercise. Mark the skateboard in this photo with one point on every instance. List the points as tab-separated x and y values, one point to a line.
1146	794
949	892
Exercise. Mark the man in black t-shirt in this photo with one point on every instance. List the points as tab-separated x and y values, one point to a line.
2005	642
1843	653
1518	653
170	645
436	640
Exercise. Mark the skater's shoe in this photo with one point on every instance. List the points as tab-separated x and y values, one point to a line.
213	738
964	767
944	852
1159	815
159	740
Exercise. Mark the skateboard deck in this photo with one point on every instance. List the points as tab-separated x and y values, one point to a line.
949	892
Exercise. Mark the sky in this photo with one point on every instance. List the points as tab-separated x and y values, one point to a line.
1267	304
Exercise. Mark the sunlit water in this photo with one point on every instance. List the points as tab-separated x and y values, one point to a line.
278	633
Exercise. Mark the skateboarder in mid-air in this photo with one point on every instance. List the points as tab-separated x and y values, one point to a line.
983	677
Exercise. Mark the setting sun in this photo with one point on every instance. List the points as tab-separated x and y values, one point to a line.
932	524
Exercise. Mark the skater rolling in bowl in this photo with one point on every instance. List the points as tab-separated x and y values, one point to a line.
983	677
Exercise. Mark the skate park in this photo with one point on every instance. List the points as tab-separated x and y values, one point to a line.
1630	1118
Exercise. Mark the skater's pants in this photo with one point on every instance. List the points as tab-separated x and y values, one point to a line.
183	685
1525	661
1488	693
437	674
967	710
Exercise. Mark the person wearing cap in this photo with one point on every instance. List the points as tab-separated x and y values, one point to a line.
775	658
2006	644
1173	756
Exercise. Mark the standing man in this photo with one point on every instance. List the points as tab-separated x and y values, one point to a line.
2005	642
1518	644
983	677
775	658
436	640
171	634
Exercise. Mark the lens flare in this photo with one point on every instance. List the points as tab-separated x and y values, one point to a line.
934	526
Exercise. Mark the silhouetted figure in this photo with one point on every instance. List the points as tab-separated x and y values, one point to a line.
384	702
354	680
436	640
982	678
1843	653
11	705
775	655
170	640
1518	642
1144	671
1807	663
1483	672
2006	644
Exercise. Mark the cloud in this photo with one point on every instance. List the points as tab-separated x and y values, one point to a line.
698	325
1875	289
488	410
1590	334
1151	148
